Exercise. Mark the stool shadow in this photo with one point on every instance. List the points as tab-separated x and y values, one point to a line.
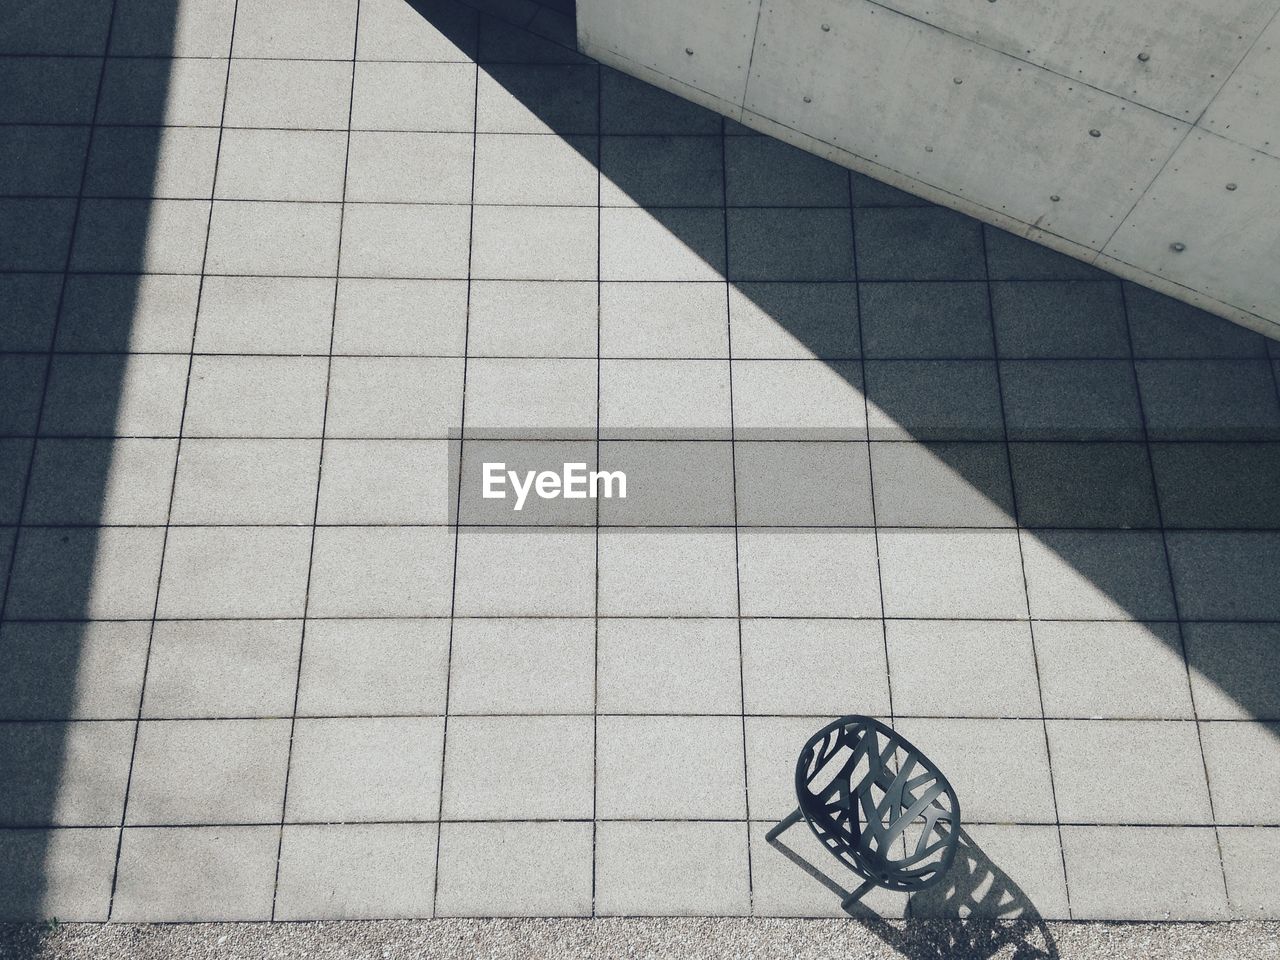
976	912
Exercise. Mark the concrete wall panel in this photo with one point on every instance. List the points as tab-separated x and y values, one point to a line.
952	113
1231	241
988	106
1248	108
1191	45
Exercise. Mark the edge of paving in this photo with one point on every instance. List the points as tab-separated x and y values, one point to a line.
756	939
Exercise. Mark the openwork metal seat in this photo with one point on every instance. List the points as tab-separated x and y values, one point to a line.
878	804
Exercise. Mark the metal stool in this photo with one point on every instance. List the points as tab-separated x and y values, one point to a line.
878	804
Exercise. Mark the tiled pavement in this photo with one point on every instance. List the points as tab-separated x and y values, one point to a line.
268	653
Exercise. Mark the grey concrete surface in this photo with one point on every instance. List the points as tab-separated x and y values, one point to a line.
655	938
1140	140
268	653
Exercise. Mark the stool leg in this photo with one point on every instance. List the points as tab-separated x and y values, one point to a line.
790	821
857	895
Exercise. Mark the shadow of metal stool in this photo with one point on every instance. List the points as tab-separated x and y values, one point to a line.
878	804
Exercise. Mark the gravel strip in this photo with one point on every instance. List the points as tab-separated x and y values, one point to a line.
642	938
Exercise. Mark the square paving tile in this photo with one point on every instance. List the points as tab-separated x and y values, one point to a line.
400	317
781	887
137	395
763	172
389	30
787	667
499	483
1247	855
398	397
794	321
664	399
798	400
400	167
1212	485
208	771
1097	575
933	400
1148	873
285	239
69	573
537	399
670	483
381	572
518	768
234	572
668	666
809	483
670	768
525	572
515	666
427	97
790	244
63	774
268	28
105	659
538	98
222	668
628	105
1070	400
282	165
533	318
1059	319
952	573
1113	670
156	883
373	668
990	668
1231	669
662	243
387	482
657	868
1202	399
942	485
1243	761
1102	772
799	572
654	319
126	481
1224	575
246	481
515	870
356	871
256	397
535	243
1163	327
926	320
264	315
1011	257
670	572
929	243
668	171
75	867
157	312
398	240
1014	872
1083	485
773	744
365	769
